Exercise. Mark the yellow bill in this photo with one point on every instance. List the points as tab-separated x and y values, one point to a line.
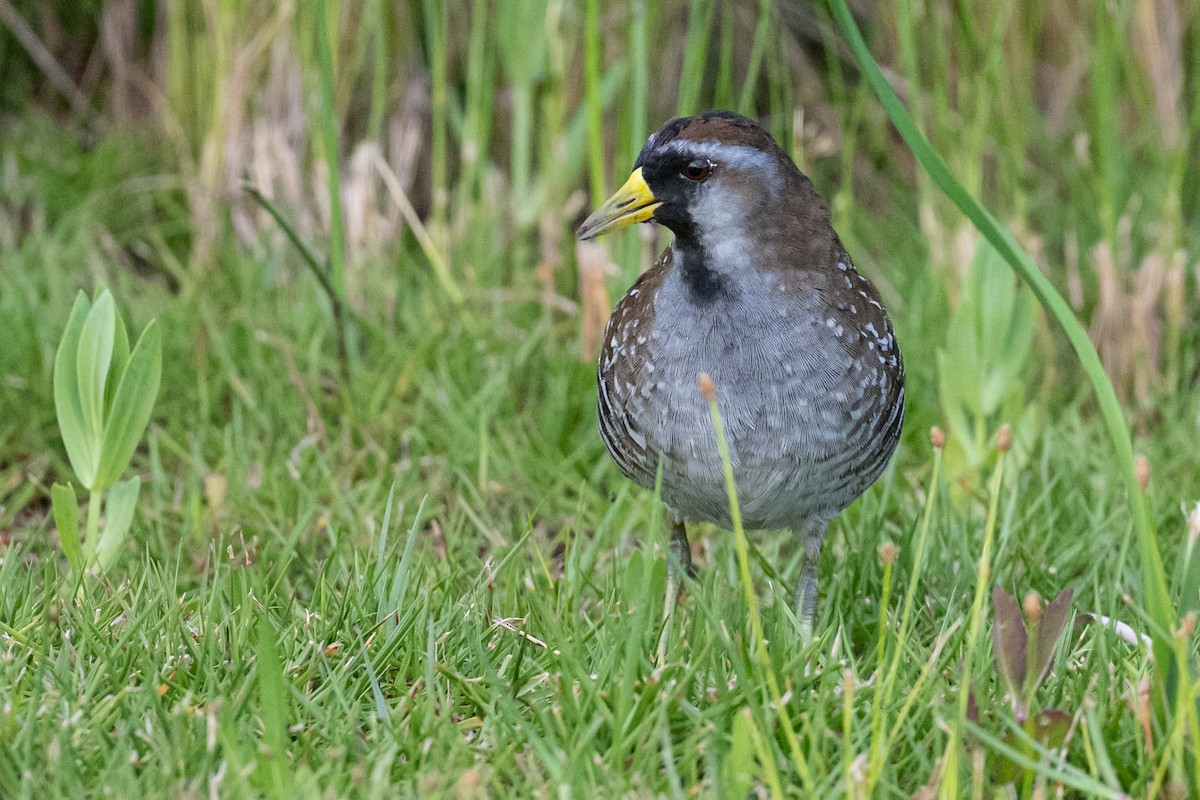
633	202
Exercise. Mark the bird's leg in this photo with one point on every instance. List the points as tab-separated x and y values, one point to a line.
806	589
679	564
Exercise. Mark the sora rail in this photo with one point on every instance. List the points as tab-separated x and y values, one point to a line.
757	291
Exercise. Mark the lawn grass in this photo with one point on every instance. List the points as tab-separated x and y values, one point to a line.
415	572
433	582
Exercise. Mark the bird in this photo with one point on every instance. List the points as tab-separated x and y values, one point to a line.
757	291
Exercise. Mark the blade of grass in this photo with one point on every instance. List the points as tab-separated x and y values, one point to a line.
983	580
323	278
879	744
709	393
425	239
593	100
761	41
695	55
329	148
766	756
435	34
638	76
273	698
1154	584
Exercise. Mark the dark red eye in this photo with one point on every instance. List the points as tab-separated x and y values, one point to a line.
697	170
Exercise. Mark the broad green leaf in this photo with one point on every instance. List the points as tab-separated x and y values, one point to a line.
66	519
132	406
82	447
981	366
399	580
118	516
92	362
120	358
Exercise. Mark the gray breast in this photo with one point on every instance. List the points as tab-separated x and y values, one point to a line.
811	395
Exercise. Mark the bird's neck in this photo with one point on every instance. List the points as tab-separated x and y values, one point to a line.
722	260
703	278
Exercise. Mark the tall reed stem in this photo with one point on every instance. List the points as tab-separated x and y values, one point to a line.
1157	600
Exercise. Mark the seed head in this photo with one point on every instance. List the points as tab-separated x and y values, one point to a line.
1187	625
887	553
1033	607
708	389
1141	470
1004	438
937	438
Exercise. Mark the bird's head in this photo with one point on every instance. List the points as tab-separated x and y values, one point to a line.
704	177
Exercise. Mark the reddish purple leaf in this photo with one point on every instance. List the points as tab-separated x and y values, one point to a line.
1049	627
1009	641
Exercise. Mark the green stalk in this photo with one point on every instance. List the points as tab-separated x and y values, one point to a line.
380	72
983	572
521	159
781	100
746	101
1104	132
848	731
637	248
695	55
592	91
765	756
639	78
435	34
884	599
742	549
329	144
551	135
1158	604
876	749
723	93
472	142
91	541
906	40
521	154
879	742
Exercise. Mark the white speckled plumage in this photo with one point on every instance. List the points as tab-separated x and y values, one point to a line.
757	292
799	405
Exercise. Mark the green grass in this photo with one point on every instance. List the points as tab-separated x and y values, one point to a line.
427	578
279	628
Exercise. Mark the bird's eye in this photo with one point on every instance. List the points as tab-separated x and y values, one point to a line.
697	170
